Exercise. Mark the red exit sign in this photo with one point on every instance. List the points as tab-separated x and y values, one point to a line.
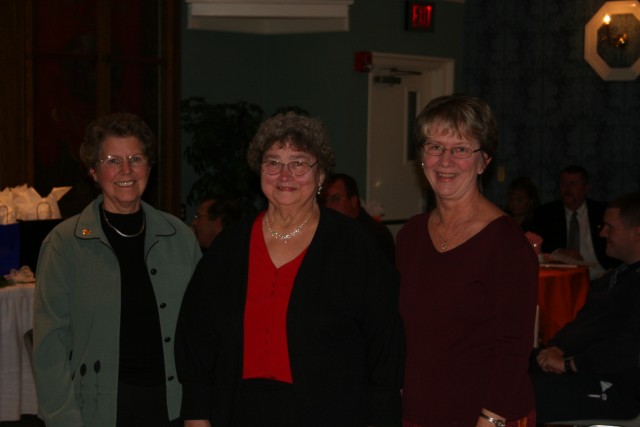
419	16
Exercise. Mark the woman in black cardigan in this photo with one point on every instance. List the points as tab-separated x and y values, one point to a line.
291	319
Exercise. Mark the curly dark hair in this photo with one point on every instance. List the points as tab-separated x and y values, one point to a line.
460	115
119	125
303	133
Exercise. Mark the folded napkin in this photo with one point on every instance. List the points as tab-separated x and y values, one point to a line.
7	212
23	275
24	203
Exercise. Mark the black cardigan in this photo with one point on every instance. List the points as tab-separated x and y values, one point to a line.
346	340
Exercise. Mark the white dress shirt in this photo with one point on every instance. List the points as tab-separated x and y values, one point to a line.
586	244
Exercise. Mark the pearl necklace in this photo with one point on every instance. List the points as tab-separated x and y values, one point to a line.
104	213
287	236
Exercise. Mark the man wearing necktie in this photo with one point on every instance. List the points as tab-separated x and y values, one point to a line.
590	370
573	239
570	226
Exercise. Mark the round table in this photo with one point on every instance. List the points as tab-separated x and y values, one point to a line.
17	389
561	294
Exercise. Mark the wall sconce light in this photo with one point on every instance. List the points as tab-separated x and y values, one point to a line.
611	40
619	40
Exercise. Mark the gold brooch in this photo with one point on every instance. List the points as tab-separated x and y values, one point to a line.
86	231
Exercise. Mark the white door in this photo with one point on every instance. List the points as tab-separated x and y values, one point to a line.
399	86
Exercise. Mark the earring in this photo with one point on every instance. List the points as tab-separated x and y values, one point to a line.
422	164
319	189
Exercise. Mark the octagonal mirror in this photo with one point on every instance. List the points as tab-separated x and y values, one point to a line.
612	41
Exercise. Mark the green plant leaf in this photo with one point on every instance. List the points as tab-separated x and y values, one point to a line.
220	135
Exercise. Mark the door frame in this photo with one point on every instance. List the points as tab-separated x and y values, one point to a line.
439	74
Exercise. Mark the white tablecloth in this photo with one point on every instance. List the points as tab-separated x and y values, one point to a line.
17	390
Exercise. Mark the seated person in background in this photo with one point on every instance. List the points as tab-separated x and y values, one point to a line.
341	194
581	241
590	370
212	216
522	199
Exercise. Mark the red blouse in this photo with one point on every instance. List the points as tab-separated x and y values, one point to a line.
266	353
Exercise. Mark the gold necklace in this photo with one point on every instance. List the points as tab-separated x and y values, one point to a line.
104	214
444	245
287	236
445	242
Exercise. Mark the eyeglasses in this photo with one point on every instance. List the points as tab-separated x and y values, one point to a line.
116	162
297	168
459	152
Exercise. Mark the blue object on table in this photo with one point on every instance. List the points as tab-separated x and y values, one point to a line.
9	247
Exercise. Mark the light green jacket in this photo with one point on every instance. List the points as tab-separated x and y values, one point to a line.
77	314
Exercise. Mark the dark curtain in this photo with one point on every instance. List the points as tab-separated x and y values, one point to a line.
527	60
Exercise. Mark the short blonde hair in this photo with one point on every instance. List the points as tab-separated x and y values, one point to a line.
460	115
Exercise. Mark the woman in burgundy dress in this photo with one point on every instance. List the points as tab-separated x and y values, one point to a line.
468	283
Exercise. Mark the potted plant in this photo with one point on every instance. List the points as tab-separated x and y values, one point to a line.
220	135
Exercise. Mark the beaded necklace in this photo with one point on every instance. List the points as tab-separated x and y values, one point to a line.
287	236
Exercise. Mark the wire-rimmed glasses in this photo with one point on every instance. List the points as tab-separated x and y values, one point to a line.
297	167
116	162
459	152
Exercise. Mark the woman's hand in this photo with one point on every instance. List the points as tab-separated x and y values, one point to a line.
197	423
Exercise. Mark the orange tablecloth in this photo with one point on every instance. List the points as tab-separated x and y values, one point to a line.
561	294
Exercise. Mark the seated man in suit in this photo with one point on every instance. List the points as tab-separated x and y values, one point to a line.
591	368
571	224
341	194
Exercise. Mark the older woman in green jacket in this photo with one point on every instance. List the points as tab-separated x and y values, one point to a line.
110	283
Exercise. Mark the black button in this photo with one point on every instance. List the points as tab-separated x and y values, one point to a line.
167	339
170	377
163	305
154	271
